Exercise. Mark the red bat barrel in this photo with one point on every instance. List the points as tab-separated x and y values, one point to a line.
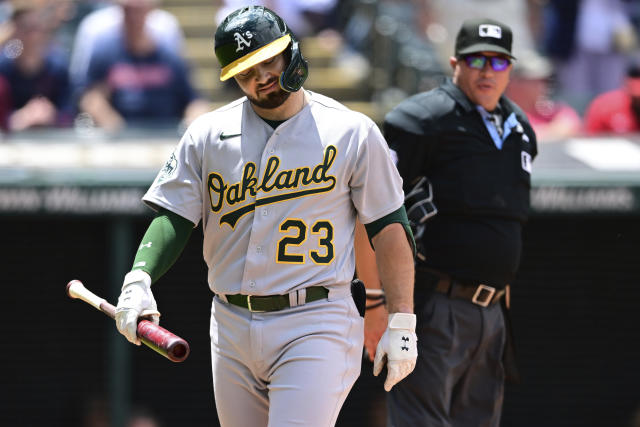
156	337
164	342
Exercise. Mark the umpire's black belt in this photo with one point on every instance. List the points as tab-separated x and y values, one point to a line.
260	303
479	294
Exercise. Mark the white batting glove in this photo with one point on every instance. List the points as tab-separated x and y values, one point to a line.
136	300
398	347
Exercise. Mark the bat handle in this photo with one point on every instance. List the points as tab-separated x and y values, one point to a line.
108	309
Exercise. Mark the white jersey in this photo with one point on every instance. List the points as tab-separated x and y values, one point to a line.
278	207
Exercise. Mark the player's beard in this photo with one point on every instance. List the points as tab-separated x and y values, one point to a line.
271	100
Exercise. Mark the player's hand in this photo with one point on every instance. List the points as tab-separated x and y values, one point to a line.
136	300
398	346
375	323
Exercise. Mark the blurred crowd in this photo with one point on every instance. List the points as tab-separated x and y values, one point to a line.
93	63
577	67
114	64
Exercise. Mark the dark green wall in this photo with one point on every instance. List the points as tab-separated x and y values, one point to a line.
574	309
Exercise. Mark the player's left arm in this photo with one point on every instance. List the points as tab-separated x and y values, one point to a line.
394	248
376	316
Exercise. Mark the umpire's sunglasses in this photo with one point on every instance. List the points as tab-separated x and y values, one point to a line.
477	61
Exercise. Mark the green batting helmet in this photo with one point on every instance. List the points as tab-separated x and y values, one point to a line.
254	34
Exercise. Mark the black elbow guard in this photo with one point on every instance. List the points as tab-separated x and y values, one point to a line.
419	203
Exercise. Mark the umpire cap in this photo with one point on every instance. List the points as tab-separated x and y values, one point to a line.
483	35
254	34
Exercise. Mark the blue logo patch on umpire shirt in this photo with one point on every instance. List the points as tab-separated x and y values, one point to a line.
526	161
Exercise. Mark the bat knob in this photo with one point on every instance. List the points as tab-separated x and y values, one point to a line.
71	283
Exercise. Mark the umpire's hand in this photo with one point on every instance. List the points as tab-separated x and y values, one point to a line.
398	348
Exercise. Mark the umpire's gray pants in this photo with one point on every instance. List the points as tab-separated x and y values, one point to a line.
459	378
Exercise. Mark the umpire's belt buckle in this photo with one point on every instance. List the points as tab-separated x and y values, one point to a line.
251	309
483	295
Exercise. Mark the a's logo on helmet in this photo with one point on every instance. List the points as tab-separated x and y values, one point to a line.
242	41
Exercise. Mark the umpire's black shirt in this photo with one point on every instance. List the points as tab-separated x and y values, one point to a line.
481	192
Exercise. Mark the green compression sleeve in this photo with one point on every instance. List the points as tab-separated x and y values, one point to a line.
162	244
400	216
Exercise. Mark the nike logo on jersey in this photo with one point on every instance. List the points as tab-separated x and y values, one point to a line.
272	179
223	136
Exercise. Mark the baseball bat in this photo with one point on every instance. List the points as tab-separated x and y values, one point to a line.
153	336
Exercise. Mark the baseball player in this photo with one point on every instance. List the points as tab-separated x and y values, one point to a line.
279	179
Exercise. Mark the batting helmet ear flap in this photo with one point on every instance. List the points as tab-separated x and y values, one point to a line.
297	71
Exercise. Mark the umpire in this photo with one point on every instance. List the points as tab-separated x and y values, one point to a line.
464	152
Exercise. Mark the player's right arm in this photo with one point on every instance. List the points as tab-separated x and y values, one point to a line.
162	244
